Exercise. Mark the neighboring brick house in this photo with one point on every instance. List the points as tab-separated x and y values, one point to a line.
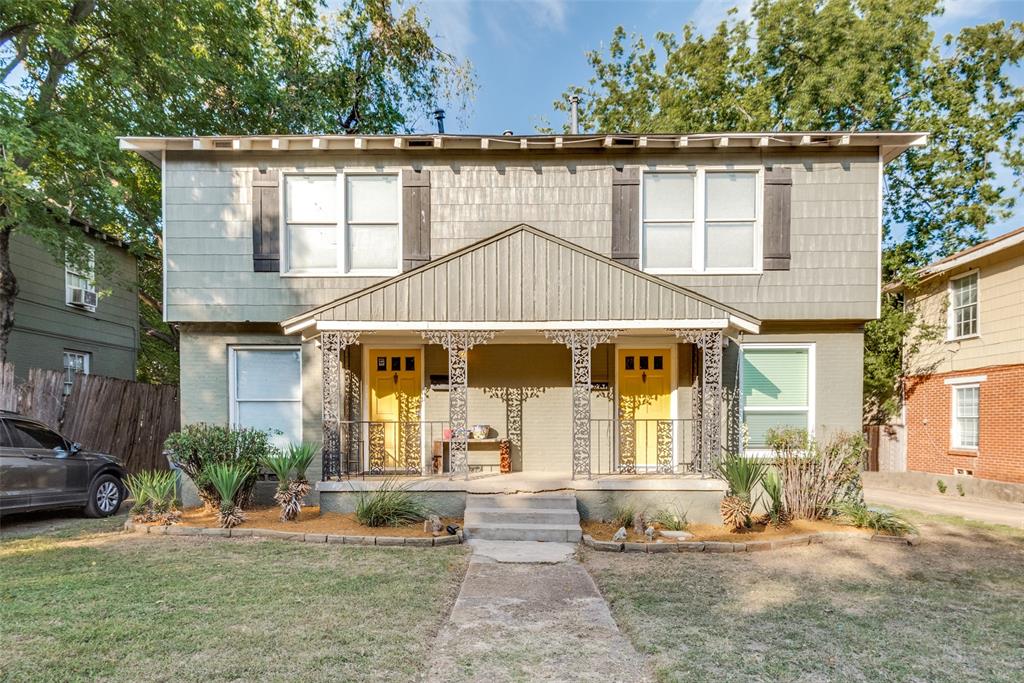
964	389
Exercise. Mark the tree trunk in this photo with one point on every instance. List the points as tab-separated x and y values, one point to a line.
8	292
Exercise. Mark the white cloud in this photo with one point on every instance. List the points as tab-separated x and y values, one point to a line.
452	23
967	9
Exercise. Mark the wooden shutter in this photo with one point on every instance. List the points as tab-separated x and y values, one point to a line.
266	222
626	216
778	191
415	218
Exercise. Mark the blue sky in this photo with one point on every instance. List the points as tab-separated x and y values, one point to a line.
526	52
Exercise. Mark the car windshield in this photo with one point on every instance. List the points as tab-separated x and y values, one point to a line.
28	435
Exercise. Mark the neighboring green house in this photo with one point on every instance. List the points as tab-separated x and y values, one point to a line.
78	319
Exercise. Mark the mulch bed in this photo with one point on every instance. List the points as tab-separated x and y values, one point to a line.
310	520
603	531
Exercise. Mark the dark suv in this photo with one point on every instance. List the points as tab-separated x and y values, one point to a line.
40	469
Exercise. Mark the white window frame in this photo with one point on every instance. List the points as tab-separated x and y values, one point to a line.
341	269
954	425
69	377
233	378
951	313
811	388
70	271
699	235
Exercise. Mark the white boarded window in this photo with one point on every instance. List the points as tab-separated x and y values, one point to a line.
342	224
966	403
963	306
778	390
700	221
266	391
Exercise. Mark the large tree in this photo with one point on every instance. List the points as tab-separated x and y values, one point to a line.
844	65
78	73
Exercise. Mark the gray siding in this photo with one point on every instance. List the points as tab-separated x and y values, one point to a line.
524	276
45	326
834	273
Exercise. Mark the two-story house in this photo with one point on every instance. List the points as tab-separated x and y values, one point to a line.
74	316
964	387
583	304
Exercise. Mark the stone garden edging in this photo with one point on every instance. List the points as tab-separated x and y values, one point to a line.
747	547
299	536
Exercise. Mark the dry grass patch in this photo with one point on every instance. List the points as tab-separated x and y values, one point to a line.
948	609
111	606
603	531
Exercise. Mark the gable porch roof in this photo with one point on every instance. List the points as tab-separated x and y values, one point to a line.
522	279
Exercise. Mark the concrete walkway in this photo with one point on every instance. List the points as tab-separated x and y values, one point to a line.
529	611
990	511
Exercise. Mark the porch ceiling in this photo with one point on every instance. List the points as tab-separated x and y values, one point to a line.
522	279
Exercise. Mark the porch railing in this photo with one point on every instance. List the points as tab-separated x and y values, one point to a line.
623	446
380	447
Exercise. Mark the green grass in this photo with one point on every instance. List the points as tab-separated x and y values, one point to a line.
82	603
945	610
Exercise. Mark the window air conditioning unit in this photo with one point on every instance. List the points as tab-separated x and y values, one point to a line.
83	297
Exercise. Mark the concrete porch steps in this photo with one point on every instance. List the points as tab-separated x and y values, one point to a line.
523	517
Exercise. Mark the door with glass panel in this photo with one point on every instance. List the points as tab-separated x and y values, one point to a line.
645	409
395	402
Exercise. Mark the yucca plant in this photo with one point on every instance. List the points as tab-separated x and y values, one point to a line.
880	521
672	519
772	485
290	469
743	475
153	493
227	479
281	465
390	505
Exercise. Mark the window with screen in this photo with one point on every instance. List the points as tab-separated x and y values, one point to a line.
777	391
266	391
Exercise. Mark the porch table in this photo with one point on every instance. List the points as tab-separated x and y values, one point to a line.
441	454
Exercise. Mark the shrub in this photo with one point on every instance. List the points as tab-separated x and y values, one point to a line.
197	446
153	493
623	515
290	469
743	475
817	476
390	505
672	519
941	485
227	479
772	485
880	521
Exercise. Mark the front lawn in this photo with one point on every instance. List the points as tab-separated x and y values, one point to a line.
948	609
111	606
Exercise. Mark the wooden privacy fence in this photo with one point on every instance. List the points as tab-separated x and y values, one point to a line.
127	419
887	447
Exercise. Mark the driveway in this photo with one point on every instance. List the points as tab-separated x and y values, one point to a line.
977	509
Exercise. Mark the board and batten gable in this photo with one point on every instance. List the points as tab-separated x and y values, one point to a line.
45	326
834	240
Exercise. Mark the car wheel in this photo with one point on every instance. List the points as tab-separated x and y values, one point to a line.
105	496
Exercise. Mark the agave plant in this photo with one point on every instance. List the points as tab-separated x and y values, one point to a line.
227	478
743	475
772	485
153	493
139	489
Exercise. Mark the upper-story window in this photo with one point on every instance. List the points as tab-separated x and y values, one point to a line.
963	306
701	221
346	224
80	282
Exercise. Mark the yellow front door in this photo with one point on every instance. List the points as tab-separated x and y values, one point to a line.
645	385
395	400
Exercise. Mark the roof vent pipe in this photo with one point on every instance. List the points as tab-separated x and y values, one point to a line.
439	116
574	109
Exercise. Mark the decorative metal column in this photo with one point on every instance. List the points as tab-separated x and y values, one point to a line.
458	343
580	343
332	343
709	342
514	398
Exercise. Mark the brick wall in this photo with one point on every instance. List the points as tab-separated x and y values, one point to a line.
1000	453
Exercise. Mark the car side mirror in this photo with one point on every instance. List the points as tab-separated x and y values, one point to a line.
75	448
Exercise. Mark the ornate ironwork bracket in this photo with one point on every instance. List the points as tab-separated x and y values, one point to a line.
332	344
458	343
580	343
710	344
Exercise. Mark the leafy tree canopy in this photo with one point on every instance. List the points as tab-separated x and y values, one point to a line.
843	65
77	74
